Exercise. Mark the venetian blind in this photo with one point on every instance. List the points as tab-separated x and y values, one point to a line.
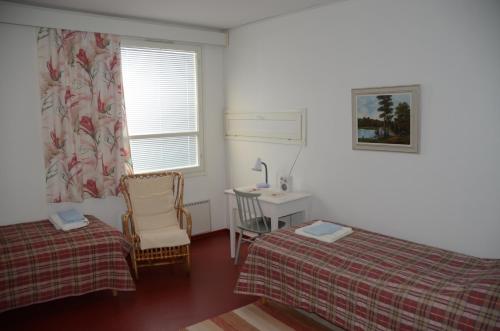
161	99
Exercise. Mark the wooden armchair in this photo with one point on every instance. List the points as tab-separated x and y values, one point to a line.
156	222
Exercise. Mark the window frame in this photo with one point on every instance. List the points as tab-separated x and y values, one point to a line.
188	171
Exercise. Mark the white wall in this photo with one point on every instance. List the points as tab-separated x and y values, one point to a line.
22	184
448	195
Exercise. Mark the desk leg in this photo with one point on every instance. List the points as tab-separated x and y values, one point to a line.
274	222
308	211
232	235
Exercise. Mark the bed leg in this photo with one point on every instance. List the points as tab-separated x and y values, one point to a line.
115	292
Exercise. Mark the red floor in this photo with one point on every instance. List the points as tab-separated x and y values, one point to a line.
166	299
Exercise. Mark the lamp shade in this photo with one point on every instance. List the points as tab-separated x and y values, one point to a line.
258	165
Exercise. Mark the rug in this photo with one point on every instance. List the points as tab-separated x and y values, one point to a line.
269	316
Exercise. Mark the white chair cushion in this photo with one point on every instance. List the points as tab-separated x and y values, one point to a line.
155	221
164	237
152	202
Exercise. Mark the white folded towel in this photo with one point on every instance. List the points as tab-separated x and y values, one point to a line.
58	223
329	238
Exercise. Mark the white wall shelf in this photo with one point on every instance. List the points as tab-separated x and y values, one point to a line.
288	127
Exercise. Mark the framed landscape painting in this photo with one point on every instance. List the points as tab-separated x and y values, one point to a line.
386	118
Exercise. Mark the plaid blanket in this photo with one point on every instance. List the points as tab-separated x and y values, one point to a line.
39	263
368	281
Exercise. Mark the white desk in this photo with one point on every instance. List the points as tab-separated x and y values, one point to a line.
274	204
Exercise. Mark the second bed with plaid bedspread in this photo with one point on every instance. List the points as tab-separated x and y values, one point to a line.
368	281
39	263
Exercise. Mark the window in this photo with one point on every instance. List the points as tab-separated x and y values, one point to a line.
162	99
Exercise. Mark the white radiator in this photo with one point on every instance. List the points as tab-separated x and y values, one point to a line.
201	215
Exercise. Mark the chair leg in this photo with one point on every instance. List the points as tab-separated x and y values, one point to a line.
238	248
134	263
188	261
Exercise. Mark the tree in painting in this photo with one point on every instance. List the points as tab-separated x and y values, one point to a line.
402	120
385	107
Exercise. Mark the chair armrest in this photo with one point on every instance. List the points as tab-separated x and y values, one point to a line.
128	229
185	214
126	225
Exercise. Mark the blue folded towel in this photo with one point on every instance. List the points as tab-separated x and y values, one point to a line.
322	229
70	216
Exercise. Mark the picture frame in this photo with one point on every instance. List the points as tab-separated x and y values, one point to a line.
386	118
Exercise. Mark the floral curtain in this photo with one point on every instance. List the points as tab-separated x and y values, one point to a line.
83	116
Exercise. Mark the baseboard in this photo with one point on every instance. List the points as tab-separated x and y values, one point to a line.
209	234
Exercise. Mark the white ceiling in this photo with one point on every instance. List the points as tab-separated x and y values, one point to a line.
216	14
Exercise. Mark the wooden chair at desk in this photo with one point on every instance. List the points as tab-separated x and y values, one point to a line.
252	218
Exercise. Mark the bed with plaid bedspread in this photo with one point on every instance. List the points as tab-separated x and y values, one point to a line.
368	281
39	263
